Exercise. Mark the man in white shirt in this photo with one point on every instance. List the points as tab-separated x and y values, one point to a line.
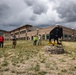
39	39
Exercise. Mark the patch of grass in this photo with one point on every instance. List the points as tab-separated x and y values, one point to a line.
6	69
37	73
37	67
13	71
51	68
1	53
63	70
42	73
14	64
70	47
72	68
47	65
73	58
18	65
62	60
54	63
5	63
42	58
59	73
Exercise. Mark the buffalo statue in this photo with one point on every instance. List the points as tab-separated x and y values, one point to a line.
56	34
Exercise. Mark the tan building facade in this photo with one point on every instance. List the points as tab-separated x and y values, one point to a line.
27	32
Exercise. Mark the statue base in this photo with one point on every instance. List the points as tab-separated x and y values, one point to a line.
54	49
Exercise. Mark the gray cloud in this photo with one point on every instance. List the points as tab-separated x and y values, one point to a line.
11	13
15	13
3	9
39	8
29	2
67	10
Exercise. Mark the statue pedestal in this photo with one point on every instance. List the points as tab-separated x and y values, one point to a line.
54	49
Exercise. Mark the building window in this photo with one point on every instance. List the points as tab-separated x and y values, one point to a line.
65	35
43	37
29	30
47	36
17	33
75	38
22	32
69	36
6	35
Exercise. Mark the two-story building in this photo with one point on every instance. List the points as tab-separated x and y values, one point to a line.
27	32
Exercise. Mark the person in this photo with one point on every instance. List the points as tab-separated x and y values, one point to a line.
13	41
1	41
35	40
39	39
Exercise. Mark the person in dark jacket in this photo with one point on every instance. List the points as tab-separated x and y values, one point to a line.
1	41
14	41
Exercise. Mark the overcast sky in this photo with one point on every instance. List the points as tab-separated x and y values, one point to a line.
16	13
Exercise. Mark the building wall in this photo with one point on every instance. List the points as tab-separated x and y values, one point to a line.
27	33
69	34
